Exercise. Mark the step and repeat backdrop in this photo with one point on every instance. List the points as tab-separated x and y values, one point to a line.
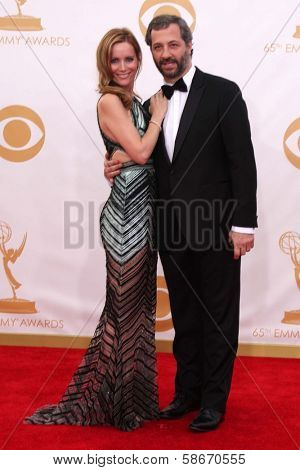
52	270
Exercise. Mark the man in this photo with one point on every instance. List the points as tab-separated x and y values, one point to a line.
206	178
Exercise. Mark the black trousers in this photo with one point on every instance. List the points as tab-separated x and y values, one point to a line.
204	290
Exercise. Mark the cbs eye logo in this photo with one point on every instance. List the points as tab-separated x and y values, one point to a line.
22	133
152	8
291	143
163	310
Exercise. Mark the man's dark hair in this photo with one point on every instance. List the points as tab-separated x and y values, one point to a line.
163	21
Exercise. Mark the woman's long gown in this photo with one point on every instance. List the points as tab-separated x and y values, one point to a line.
116	381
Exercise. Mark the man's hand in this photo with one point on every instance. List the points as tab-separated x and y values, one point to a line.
241	242
112	168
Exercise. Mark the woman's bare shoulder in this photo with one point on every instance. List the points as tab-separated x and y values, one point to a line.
109	101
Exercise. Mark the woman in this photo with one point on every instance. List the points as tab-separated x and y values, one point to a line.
116	381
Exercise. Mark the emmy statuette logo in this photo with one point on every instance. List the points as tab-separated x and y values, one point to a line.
20	125
163	311
289	243
20	22
152	8
13	304
297	33
291	143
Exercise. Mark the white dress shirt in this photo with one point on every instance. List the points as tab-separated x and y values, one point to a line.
175	108
171	124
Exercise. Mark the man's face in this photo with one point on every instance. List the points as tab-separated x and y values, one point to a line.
172	56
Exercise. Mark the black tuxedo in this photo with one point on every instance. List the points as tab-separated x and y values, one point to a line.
209	186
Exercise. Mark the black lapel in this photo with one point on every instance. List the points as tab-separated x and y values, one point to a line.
161	139
195	95
163	147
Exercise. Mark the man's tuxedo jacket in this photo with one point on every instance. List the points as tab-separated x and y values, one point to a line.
212	175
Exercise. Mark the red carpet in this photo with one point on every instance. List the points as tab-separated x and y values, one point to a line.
262	412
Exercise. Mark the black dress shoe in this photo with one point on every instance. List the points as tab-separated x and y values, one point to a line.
177	408
207	420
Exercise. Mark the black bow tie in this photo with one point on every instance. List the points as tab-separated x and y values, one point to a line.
168	90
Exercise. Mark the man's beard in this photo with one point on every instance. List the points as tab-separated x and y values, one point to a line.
181	66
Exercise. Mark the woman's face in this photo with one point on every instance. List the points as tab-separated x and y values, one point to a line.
124	65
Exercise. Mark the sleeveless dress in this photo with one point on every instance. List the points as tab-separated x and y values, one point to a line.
116	381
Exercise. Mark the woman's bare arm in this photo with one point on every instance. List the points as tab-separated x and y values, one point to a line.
115	121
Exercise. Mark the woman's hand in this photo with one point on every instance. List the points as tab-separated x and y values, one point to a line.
158	106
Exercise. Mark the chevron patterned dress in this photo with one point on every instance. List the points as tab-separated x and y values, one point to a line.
116	381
